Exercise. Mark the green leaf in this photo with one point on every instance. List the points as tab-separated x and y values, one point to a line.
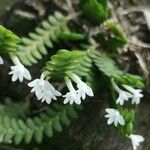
132	80
22	124
95	11
33	47
9	135
113	37
129	117
71	36
129	128
15	129
7	122
64	118
49	129
8	41
19	136
30	123
61	63
107	66
28	135
39	134
56	124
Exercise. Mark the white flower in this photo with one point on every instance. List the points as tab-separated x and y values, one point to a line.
137	95
44	91
136	140
114	117
1	61
83	88
49	93
72	96
123	96
38	87
19	71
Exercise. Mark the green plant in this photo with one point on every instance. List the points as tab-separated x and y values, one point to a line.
17	127
84	63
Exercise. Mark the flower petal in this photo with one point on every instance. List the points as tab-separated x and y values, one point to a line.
33	83
14	77
110	121
19	72
27	74
121	120
1	60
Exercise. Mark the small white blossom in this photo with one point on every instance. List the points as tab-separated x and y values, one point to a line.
49	93
137	95
114	116
123	96
19	72
44	91
83	88
72	96
1	61
136	140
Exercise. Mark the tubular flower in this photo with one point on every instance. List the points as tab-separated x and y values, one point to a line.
19	72
83	88
44	91
72	96
137	95
123	95
136	140
114	117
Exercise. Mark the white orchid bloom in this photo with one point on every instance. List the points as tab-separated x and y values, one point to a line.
72	96
114	116
136	140
1	61
137	95
19	72
83	88
44	91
